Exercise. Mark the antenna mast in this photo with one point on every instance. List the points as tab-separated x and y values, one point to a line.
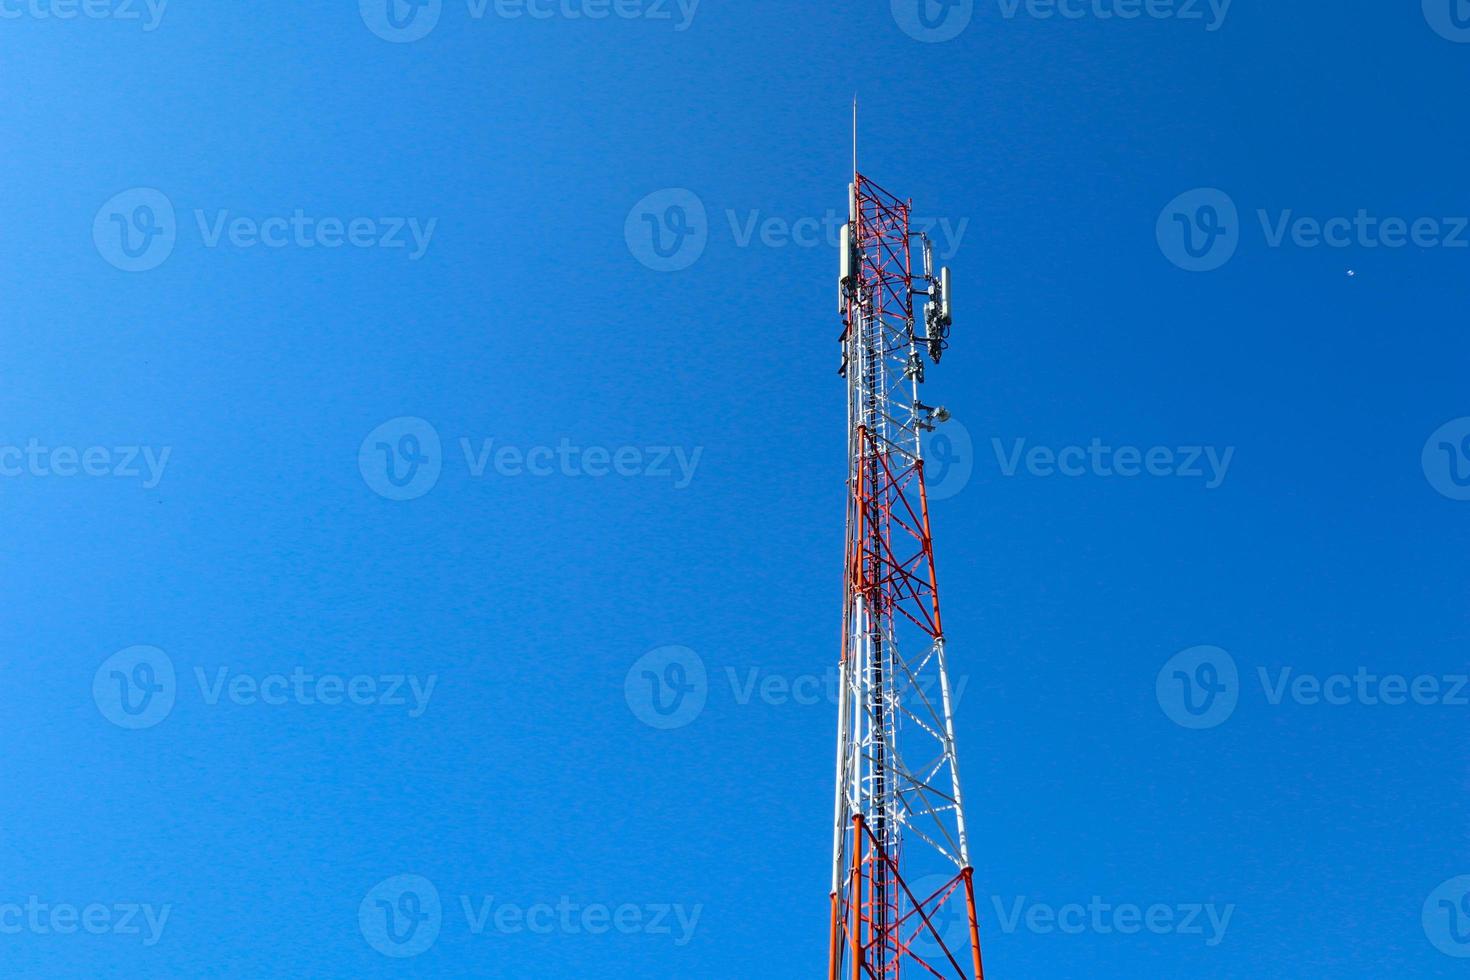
903	895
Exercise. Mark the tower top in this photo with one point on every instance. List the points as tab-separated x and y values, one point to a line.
854	134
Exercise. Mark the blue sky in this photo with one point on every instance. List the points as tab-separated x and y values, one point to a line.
350	496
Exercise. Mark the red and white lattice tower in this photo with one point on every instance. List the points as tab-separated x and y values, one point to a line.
903	896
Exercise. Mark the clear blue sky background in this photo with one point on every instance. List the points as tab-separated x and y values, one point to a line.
530	320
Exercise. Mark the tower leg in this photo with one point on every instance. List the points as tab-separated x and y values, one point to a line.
857	897
969	874
836	947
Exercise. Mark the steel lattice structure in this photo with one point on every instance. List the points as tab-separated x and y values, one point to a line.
900	815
